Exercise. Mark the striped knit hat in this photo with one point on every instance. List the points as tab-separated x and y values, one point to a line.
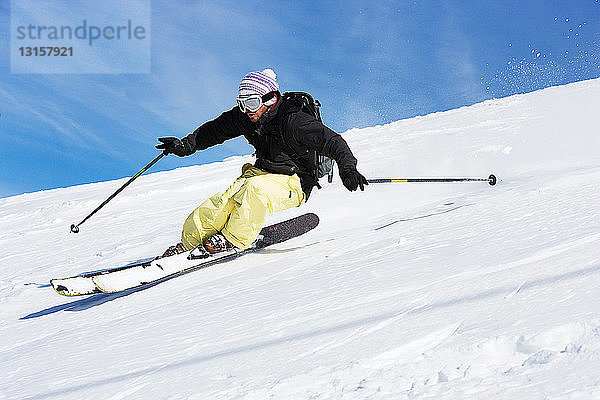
258	82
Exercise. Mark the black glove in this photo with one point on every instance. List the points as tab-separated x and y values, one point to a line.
353	179
172	145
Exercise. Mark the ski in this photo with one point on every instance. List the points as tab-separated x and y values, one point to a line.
160	269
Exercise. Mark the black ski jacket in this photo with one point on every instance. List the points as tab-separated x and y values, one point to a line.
286	140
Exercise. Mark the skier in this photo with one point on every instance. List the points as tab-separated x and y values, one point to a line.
282	177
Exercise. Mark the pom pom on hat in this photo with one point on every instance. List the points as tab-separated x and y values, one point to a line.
258	82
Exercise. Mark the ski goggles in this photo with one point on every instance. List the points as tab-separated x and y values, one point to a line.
253	102
250	103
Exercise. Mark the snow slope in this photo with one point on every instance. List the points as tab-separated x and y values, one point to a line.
465	291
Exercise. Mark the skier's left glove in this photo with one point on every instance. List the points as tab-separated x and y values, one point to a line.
173	145
353	179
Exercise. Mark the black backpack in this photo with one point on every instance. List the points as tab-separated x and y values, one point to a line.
312	107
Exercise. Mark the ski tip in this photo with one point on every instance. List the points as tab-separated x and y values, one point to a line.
58	288
492	179
309	221
70	287
63	290
313	216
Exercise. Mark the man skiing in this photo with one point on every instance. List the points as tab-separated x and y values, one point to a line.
286	139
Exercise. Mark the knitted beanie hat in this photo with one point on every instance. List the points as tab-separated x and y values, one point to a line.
258	82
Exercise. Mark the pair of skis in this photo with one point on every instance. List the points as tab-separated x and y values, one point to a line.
155	270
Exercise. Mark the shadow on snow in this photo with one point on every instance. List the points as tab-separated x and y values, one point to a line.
87	302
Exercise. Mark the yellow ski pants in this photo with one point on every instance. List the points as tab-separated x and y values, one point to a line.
240	212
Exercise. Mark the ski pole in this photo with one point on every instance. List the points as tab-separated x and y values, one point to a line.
75	228
491	180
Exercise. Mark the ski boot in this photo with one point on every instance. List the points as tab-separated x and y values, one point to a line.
217	243
173	250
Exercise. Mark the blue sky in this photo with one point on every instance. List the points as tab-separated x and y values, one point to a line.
369	63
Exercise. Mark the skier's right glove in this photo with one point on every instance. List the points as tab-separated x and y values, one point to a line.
353	179
173	145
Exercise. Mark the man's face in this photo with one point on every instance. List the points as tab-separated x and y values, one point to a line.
255	116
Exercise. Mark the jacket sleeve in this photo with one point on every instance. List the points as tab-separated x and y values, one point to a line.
230	124
308	131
